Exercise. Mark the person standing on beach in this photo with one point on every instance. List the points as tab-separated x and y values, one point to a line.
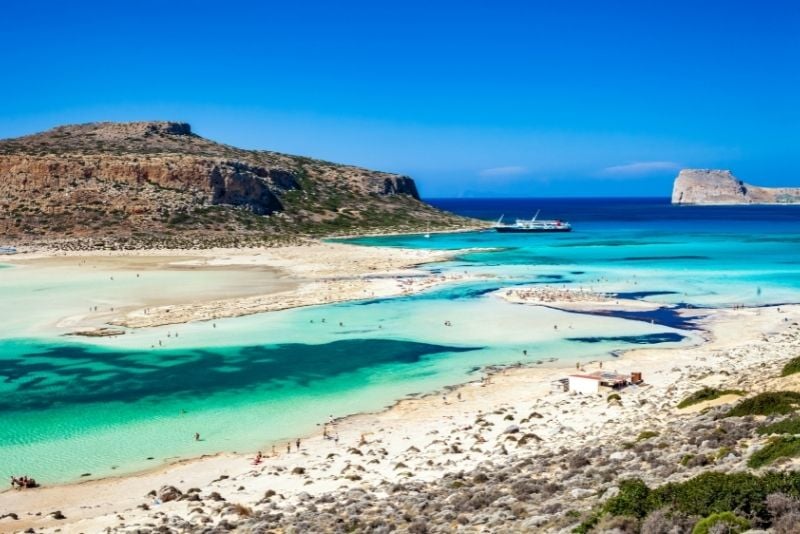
297	443
288	446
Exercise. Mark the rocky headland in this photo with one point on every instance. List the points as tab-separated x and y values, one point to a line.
158	184
708	186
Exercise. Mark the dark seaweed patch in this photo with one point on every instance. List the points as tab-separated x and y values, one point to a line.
644	339
69	375
643	294
665	316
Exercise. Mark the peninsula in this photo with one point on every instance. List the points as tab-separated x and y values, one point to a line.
709	186
159	185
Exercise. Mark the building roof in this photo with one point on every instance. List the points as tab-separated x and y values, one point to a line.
602	376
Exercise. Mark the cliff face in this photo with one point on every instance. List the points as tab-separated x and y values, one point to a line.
210	181
706	186
134	181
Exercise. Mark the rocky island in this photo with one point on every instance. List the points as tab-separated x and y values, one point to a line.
709	186
158	184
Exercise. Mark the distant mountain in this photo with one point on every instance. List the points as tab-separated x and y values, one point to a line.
707	186
146	184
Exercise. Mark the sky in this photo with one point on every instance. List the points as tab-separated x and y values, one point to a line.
470	98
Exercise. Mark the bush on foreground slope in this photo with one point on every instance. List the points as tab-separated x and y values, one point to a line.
744	495
706	394
769	403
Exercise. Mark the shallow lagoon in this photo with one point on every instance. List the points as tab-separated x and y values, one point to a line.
105	406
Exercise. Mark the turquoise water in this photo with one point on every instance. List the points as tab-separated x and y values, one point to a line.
112	405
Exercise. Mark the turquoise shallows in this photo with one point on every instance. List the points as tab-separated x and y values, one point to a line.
71	406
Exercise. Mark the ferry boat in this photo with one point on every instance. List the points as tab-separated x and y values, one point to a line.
532	225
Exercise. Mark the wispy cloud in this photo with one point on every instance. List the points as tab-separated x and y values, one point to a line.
640	168
511	170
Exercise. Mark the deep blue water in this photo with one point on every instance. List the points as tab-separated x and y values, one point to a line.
640	211
636	247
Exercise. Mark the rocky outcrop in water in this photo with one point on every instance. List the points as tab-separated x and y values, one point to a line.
708	186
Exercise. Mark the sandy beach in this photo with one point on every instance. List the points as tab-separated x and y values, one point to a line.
422	439
256	280
573	299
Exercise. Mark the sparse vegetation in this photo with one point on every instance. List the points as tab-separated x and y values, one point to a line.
707	394
768	403
646	434
778	447
721	522
787	426
791	367
709	495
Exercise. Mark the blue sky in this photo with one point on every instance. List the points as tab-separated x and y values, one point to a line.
471	98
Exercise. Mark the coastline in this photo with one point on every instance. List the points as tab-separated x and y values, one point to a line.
297	275
406	425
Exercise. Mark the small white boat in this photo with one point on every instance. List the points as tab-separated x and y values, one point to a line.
532	225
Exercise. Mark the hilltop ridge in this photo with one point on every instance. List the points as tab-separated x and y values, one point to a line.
158	183
711	186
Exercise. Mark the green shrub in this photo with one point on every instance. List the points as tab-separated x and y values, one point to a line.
633	499
705	494
787	426
646	434
770	403
707	394
587	525
613	397
722	453
791	367
733	522
783	447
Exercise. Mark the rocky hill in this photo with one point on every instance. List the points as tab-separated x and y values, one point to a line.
147	184
707	186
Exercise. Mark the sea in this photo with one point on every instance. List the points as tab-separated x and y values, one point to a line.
77	408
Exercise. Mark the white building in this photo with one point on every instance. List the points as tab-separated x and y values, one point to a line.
590	383
584	384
